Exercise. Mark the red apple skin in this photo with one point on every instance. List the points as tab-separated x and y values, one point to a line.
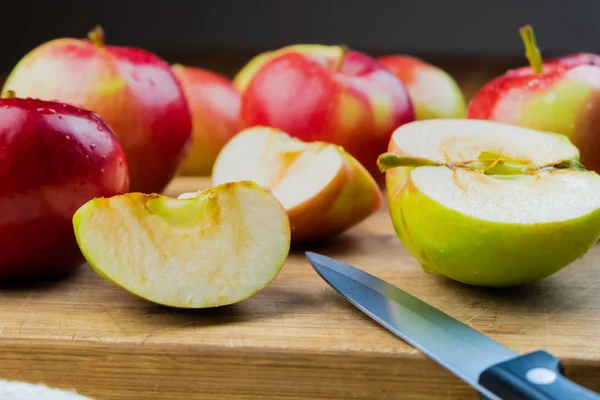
53	158
575	59
215	106
564	98
133	90
347	99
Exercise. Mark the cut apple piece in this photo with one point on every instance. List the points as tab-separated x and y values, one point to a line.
461	216
323	188
218	247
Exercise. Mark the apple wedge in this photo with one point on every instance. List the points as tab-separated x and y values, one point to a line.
219	247
490	204
324	190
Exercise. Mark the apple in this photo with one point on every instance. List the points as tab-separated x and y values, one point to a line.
326	93
324	190
218	247
434	93
488	203
134	91
54	157
215	106
561	97
574	59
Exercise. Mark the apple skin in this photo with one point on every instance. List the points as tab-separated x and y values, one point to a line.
441	239
326	93
435	94
564	99
215	106
574	59
55	157
133	90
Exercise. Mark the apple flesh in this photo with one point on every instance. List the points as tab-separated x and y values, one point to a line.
490	204
561	97
328	94
218	247
215	107
324	190
434	93
54	157
134	91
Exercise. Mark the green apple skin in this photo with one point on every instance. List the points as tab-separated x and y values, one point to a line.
485	253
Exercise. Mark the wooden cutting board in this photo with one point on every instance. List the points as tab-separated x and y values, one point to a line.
297	339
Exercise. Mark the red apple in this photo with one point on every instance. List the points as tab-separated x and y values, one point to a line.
435	94
561	97
328	94
575	59
215	107
54	158
134	91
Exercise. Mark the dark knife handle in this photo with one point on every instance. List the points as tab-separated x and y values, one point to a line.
533	376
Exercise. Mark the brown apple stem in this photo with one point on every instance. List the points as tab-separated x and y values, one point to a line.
9	94
340	63
96	36
532	52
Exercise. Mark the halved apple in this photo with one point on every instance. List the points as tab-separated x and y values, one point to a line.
323	188
219	247
490	204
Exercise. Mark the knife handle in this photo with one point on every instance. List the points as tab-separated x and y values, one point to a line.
533	376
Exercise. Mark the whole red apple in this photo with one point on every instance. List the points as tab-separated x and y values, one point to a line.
133	90
434	93
561	97
215	107
54	158
329	94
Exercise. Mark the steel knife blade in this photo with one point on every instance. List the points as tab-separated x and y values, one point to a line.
494	370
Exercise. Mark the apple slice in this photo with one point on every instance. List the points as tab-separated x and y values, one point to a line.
490	204
219	247
323	188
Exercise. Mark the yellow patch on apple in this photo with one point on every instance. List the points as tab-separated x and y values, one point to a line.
218	247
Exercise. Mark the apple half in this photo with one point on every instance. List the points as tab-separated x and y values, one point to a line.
487	203
324	190
218	247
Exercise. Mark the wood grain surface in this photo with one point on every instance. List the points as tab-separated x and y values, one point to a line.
297	339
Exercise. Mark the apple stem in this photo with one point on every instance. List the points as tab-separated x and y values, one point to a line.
9	94
340	63
532	52
390	160
96	36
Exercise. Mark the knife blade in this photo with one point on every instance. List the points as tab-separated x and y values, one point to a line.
492	369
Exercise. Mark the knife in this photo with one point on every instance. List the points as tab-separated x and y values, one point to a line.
495	371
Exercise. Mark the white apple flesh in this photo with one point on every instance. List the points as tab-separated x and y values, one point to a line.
218	247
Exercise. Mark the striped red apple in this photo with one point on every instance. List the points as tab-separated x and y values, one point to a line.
215	107
133	90
326	93
562	96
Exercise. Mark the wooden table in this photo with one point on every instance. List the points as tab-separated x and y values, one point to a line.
297	339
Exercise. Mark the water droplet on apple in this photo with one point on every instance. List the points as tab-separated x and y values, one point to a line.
100	128
86	156
101	170
135	76
46	110
92	146
60	117
68	137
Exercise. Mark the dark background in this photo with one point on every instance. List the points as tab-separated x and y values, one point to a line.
223	34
